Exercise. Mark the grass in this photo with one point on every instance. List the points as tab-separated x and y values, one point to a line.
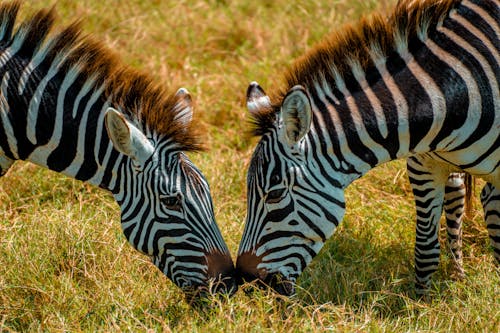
65	265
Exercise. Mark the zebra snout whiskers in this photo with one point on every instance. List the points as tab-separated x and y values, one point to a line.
221	273
247	271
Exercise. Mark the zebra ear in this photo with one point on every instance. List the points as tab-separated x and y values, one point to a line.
183	108
296	114
126	138
257	99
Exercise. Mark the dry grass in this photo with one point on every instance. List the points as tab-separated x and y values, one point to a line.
65	265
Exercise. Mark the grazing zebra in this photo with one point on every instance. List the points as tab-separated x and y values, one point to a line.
68	104
422	84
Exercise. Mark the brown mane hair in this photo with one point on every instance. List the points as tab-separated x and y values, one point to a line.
133	92
372	36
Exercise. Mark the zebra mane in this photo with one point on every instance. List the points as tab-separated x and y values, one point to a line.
353	50
132	91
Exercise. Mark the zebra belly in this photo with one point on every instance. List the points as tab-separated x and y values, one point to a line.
486	166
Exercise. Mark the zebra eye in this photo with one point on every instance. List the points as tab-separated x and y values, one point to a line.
275	196
275	179
172	202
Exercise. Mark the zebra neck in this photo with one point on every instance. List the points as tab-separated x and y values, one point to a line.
57	121
80	148
86	154
391	118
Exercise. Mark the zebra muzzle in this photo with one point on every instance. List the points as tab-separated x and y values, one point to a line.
282	285
246	268
247	271
221	273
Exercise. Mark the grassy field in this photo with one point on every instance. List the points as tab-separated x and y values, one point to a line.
65	265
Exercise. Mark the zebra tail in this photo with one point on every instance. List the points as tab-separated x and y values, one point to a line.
469	190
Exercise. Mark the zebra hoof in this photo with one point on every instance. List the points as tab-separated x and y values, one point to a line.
422	292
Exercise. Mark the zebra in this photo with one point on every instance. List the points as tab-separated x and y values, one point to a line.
67	103
421	84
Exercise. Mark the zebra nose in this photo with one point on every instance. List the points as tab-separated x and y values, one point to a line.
247	271
221	273
246	268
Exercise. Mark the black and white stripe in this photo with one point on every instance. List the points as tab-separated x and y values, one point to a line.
60	110
457	194
432	96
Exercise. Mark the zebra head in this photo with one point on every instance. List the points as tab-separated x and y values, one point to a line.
166	207
291	207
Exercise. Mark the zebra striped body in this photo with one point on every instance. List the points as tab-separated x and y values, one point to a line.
422	85
67	104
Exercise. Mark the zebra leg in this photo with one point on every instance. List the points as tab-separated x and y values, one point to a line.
490	198
454	204
428	179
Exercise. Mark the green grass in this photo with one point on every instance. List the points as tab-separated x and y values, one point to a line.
65	265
